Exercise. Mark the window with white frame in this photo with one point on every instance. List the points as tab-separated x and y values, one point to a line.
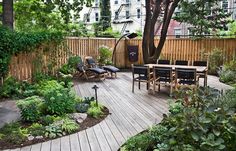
138	13
177	32
225	5
127	14
87	17
96	3
116	15
96	17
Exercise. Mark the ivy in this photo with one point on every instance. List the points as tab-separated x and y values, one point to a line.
12	42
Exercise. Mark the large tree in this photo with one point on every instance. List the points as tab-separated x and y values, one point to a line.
204	17
157	12
7	16
67	9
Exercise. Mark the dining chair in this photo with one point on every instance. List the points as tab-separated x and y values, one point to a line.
186	77
202	74
181	62
140	74
163	61
165	76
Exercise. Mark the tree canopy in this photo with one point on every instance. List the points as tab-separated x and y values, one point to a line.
204	17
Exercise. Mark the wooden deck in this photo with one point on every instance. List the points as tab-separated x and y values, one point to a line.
131	113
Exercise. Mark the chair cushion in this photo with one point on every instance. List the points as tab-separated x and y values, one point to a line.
111	68
97	70
141	77
189	82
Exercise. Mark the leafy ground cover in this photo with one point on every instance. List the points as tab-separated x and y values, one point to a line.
201	120
49	109
228	73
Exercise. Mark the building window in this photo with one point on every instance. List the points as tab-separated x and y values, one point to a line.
127	1
96	3
87	18
225	5
177	33
127	14
116	1
138	13
116	15
138	0
96	17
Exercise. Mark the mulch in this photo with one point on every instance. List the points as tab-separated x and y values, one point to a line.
87	123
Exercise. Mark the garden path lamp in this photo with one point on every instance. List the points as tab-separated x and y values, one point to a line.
95	87
128	35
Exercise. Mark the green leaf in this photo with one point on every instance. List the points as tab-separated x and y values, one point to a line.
194	136
216	132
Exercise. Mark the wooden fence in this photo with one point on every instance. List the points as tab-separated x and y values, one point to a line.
23	65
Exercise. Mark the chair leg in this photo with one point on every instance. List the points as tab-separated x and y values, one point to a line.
205	81
133	87
171	90
139	85
147	86
159	87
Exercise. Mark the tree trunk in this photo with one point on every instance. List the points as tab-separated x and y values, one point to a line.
7	13
150	52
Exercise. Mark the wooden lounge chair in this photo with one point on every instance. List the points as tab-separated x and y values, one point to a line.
109	68
92	72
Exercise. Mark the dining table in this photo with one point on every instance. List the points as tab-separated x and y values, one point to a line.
199	69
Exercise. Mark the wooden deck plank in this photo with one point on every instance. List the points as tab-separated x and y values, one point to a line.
26	148
93	140
56	144
65	143
84	143
115	131
109	136
46	146
101	138
36	147
17	149
74	142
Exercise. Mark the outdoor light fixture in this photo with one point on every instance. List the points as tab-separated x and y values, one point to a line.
95	87
128	35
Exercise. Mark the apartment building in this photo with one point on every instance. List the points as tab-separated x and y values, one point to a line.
129	16
126	15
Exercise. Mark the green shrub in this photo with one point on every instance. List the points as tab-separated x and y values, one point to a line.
69	126
45	86
10	88
228	73
52	131
60	101
206	122
36	129
13	133
61	126
47	120
105	55
71	65
94	110
216	58
30	108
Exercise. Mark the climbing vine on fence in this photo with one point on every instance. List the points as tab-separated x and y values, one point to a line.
12	42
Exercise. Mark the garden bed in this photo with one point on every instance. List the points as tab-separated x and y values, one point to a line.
87	123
